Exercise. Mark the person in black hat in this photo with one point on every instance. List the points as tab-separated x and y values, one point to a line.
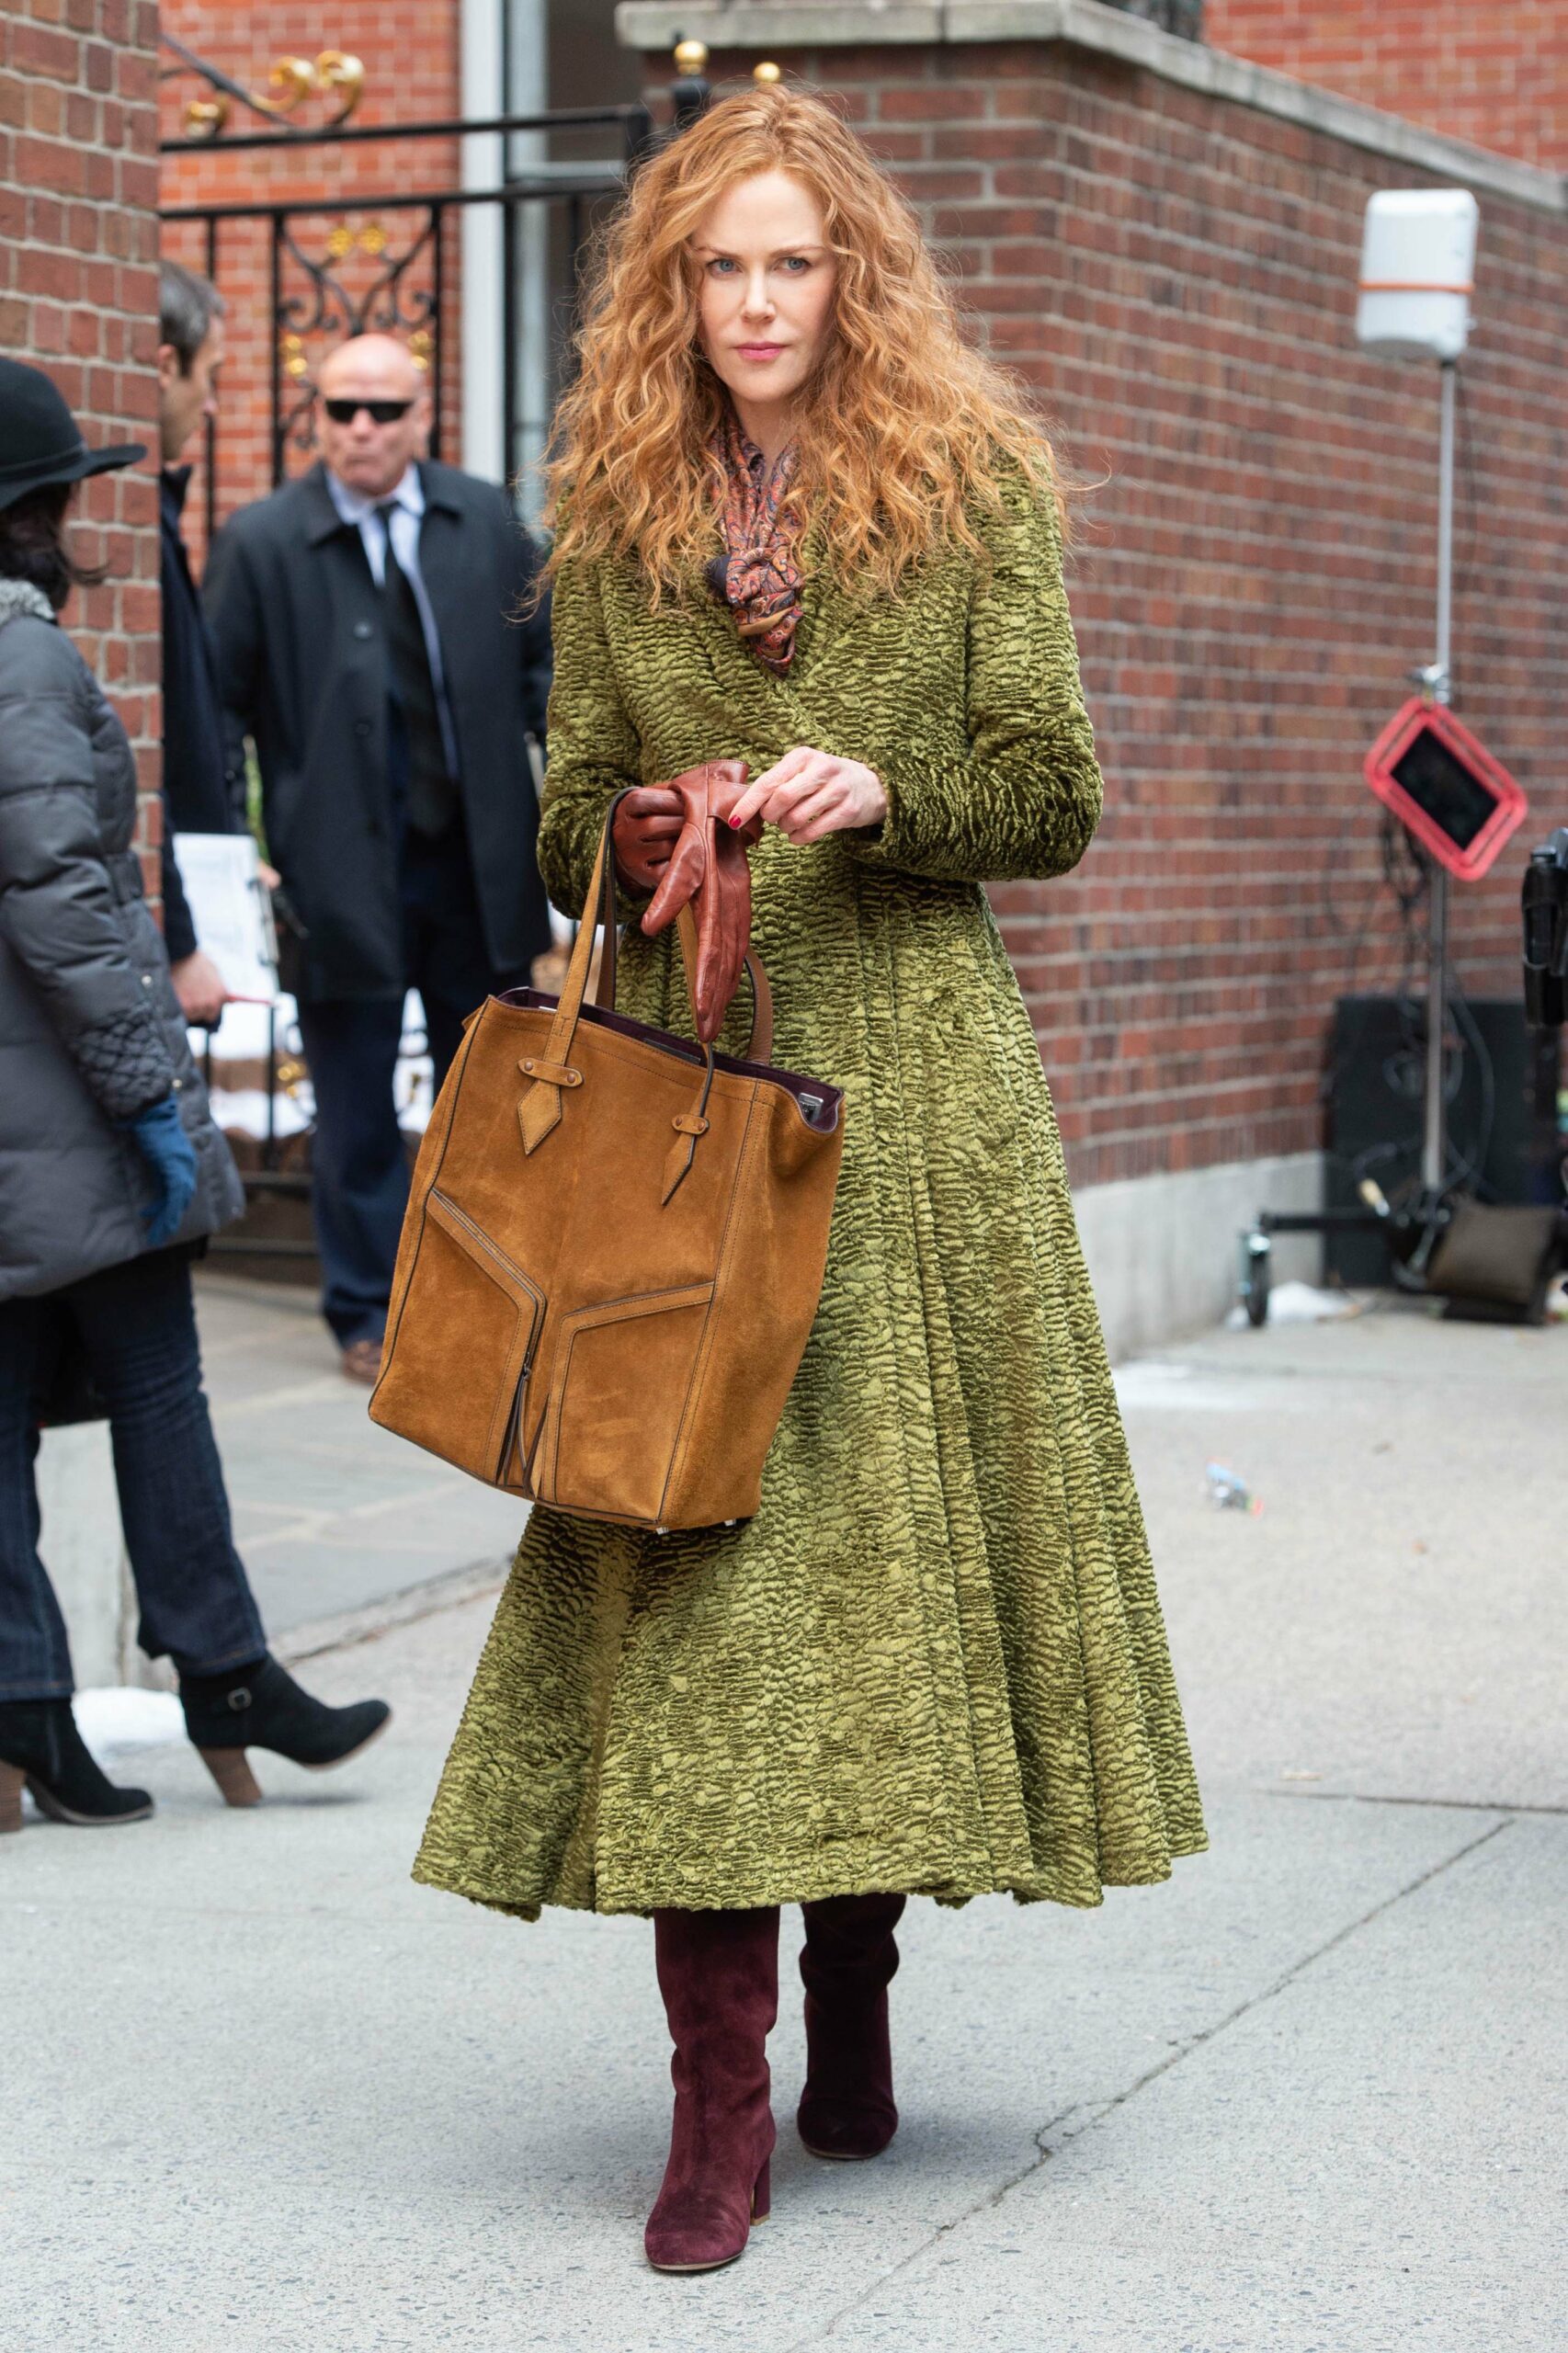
41	443
111	1171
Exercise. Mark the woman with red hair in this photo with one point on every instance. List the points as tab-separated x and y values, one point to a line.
801	524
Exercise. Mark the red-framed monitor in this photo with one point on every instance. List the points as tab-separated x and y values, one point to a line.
1443	783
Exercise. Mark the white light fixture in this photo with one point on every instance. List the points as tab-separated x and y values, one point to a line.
1417	271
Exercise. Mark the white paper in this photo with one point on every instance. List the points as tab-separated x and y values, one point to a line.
231	911
242	1038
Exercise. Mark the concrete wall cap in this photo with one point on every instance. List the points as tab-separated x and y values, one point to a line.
655	25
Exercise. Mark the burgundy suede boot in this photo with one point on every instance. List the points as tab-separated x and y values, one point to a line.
718	1975
849	1958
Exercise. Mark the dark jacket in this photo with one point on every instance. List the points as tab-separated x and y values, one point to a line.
195	783
302	666
90	1030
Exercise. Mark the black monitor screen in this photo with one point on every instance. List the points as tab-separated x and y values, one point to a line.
1448	792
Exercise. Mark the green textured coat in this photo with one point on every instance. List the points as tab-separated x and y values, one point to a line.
935	1659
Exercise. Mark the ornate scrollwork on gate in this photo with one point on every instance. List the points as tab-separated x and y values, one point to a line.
332	75
359	281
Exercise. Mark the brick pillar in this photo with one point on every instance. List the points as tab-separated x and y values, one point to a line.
79	297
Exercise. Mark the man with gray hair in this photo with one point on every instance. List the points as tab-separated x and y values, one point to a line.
197	798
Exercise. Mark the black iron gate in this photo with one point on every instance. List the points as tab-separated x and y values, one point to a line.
388	257
338	263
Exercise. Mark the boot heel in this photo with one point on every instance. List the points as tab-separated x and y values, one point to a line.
230	1768
12	1779
761	2197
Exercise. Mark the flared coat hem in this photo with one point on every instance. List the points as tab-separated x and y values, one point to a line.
875	1871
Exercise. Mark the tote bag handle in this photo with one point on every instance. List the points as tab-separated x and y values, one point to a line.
539	1113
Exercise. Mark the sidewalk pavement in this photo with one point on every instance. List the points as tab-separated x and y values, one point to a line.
332	1515
266	2096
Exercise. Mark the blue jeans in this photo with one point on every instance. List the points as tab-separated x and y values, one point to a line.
134	1327
358	1163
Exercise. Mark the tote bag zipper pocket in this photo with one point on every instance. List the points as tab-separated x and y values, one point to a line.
528	1298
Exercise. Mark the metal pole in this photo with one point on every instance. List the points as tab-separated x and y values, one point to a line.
481	448
1435	1137
527	86
1449	375
508	443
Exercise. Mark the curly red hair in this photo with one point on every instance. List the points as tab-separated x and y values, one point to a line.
905	428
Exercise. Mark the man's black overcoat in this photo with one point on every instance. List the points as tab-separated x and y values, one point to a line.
303	668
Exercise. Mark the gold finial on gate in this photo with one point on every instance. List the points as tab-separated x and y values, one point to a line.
336	70
205	118
294	78
767	74
333	75
691	56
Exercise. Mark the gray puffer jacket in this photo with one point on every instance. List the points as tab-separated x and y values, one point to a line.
90	1029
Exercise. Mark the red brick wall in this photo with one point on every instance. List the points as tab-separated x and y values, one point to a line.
79	297
409	49
1493	71
1174	276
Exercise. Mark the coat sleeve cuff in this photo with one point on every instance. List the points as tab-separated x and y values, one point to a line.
982	820
923	831
125	1064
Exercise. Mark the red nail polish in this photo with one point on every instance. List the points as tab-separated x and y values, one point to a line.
734	824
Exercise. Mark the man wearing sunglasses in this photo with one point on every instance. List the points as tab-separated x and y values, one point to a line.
368	644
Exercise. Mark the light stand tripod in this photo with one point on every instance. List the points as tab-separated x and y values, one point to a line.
1420	1226
1439	683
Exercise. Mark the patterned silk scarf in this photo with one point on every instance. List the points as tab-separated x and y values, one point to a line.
758	575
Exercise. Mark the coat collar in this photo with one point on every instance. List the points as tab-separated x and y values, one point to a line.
173	482
323	519
20	596
355	506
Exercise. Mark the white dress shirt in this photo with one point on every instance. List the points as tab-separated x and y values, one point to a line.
409	503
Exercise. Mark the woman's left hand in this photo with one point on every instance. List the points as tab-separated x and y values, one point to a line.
808	794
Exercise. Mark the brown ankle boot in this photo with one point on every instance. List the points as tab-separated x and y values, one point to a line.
718	1975
847	2108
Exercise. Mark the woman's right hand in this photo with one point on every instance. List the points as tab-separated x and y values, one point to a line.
647	822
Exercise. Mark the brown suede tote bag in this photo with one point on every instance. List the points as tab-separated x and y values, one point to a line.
612	1253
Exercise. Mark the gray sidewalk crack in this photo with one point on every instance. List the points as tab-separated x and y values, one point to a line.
1061	2130
1439	1805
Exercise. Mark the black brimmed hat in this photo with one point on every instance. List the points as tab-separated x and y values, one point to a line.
40	441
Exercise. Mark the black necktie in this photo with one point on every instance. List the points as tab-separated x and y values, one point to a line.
432	791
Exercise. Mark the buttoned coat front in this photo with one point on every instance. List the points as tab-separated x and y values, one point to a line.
301	632
934	1661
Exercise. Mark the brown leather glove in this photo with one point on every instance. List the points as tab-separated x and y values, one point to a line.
647	822
708	870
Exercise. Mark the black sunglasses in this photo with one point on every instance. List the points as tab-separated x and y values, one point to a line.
380	411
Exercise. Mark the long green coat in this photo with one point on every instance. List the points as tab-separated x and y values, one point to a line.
935	1659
